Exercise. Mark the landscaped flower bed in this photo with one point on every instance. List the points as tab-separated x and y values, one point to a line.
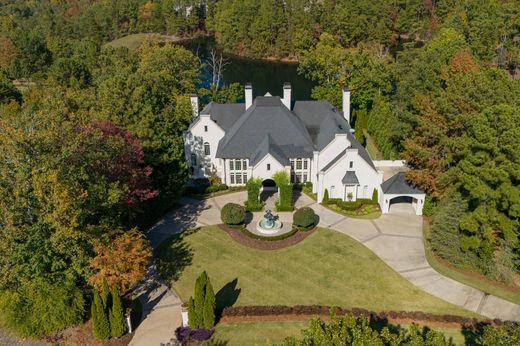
360	207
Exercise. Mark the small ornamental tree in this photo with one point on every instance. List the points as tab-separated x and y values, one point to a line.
325	199
209	306
304	217
233	214
375	198
201	308
122	262
117	319
100	324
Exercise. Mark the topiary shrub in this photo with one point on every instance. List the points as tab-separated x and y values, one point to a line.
325	199
375	198
304	217
253	202
233	214
429	206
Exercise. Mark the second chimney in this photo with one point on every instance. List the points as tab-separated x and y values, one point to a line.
286	100
194	99
346	104
249	95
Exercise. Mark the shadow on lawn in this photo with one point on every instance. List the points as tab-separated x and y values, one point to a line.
227	296
173	255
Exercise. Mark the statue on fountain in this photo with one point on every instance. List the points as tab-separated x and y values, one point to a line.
269	224
269	219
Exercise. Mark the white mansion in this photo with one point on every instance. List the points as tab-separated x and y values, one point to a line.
310	140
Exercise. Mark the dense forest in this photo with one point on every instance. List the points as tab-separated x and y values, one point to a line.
91	142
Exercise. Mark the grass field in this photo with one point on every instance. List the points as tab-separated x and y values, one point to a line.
133	41
328	268
509	293
265	333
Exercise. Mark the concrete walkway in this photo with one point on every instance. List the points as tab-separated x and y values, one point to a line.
396	238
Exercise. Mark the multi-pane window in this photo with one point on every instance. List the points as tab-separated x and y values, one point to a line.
237	171
299	170
207	150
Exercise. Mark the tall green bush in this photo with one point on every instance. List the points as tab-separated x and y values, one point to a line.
375	196
281	178
325	199
209	306
285	201
37	308
100	322
117	318
105	294
253	202
201	308
233	214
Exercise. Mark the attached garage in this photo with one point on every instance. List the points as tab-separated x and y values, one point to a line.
398	196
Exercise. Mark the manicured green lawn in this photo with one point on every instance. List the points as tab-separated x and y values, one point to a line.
327	268
133	41
509	293
258	333
266	333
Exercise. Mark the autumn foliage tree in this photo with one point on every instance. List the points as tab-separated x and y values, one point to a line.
122	262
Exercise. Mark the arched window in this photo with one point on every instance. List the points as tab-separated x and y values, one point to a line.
206	148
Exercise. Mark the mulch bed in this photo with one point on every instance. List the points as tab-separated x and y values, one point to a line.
307	312
258	244
326	317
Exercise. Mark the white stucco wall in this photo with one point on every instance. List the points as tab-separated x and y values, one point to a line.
366	175
194	140
260	169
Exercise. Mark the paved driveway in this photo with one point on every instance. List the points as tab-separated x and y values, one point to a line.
395	238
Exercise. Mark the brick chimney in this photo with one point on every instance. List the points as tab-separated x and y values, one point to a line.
286	100
346	104
249	95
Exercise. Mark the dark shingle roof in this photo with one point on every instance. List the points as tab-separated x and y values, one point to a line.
268	147
350	178
226	114
323	122
267	116
399	186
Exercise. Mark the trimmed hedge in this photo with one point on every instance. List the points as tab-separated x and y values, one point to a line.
276	310
233	214
278	237
304	217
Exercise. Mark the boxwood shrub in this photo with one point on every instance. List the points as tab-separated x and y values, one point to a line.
304	217
233	214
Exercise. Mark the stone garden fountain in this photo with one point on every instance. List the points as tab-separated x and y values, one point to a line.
269	224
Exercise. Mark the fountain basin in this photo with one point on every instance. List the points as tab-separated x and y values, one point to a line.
277	226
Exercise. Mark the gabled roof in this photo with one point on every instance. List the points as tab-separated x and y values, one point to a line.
268	147
225	114
267	116
334	160
350	178
398	185
323	122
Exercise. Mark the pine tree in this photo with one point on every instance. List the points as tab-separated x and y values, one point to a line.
105	292
193	319
325	199
117	319
200	292
100	325
209	306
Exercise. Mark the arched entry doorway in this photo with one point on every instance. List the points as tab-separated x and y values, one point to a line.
268	183
269	193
